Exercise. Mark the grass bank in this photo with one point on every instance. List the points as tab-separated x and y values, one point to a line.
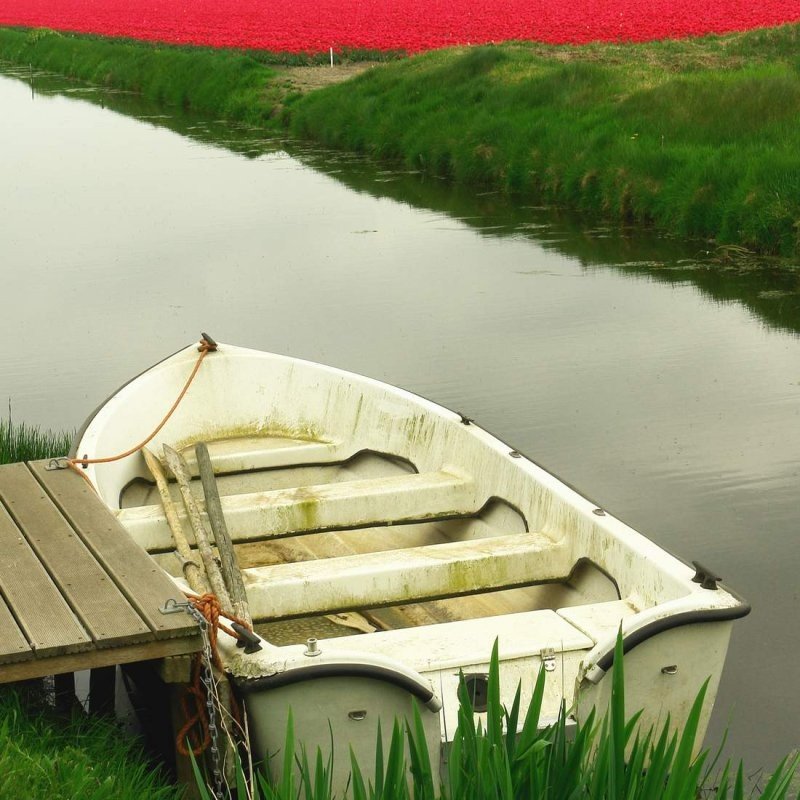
699	137
220	83
44	755
246	87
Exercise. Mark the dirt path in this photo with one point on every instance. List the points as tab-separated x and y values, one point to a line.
306	79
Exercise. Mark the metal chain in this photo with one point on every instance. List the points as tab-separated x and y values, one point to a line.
207	678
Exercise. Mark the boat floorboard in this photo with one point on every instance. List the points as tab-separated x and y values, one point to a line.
76	592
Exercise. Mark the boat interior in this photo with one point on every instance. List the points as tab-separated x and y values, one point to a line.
334	543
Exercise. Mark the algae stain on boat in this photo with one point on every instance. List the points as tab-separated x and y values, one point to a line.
418	430
305	512
268	429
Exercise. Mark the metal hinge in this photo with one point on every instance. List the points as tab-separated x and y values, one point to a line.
173	606
548	656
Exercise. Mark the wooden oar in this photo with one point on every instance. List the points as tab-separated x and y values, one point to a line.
177	466
194	572
231	573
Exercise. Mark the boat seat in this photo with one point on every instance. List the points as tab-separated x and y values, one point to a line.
454	645
247	453
598	620
335	544
259	516
370	580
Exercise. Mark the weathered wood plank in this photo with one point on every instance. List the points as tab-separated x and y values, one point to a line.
94	658
177	466
94	598
231	573
191	569
41	612
13	644
138	577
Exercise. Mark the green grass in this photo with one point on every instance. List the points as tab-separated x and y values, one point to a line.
21	442
697	137
221	83
43	755
232	84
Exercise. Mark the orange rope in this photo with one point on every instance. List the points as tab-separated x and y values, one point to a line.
205	348
195	729
208	605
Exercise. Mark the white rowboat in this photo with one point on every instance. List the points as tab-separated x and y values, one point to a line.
386	542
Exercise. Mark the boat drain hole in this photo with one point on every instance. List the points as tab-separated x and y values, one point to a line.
477	690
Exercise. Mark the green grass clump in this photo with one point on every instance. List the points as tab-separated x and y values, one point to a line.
46	756
21	442
511	758
224	83
699	137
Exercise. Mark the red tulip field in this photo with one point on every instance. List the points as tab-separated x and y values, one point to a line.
411	25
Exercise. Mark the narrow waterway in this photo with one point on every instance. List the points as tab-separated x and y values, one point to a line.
662	385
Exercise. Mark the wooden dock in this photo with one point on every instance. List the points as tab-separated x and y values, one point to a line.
76	592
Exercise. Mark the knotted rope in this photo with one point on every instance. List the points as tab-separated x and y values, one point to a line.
195	698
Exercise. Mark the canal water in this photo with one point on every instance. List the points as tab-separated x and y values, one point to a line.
660	379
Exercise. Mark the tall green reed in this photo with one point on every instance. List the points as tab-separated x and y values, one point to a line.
21	442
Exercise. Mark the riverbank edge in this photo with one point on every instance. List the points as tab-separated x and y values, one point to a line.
698	138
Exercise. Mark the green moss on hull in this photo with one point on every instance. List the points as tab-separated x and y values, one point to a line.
267	429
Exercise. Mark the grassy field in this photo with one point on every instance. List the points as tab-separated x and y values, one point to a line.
696	137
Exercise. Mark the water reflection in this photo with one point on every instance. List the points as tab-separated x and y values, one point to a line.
769	290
